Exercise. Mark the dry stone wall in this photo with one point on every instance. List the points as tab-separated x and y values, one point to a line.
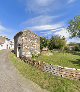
69	73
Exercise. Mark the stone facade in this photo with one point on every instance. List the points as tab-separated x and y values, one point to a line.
26	43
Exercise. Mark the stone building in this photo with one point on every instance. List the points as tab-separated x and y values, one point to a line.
5	43
26	43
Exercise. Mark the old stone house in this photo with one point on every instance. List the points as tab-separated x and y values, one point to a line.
26	43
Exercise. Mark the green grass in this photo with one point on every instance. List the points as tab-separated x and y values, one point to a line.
62	59
45	80
1	51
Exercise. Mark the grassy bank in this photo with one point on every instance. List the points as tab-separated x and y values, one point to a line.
62	59
1	51
45	80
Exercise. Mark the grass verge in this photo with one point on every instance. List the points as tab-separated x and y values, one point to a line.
1	51
45	80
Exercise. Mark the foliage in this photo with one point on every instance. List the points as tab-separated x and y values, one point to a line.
43	42
57	42
74	27
1	51
66	48
45	80
76	46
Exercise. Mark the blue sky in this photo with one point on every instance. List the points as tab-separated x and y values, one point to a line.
40	16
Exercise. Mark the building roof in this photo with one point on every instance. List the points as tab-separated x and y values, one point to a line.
24	32
18	34
1	43
2	40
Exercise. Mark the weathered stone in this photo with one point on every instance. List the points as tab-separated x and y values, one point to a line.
26	44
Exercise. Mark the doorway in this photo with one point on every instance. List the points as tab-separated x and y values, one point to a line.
19	51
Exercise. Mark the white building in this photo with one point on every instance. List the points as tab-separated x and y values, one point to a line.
11	45
5	43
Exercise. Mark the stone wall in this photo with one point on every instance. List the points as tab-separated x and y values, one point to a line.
69	73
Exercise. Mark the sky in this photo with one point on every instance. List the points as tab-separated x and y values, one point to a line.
44	17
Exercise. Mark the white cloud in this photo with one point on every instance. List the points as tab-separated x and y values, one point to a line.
6	31
43	27
46	27
75	39
2	28
62	33
44	6
39	6
41	20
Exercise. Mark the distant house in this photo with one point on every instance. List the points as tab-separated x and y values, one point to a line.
12	45
26	43
71	48
4	43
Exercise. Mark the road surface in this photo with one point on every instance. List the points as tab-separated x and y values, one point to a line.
11	80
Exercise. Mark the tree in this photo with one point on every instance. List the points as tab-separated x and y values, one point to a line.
57	42
43	42
76	46
74	27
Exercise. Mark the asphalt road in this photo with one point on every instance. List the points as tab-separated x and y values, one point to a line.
11	80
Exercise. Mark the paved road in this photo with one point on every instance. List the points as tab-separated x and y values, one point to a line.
11	80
